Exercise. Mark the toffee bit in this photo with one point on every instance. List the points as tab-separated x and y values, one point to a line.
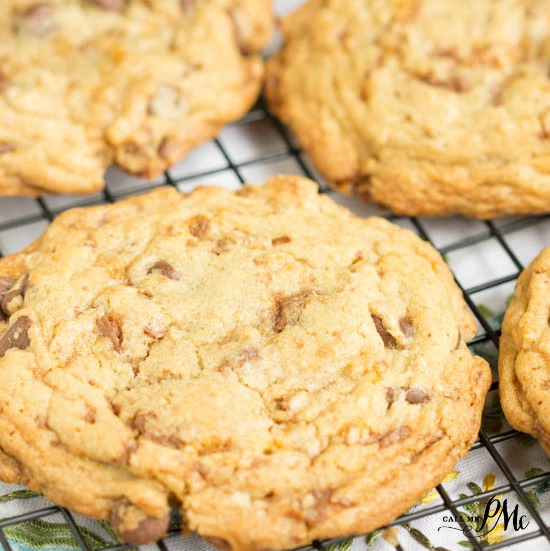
108	327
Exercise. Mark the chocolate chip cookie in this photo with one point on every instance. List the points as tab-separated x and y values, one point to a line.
87	83
524	371
428	107
275	367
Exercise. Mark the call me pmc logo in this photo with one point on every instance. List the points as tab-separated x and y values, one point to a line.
492	517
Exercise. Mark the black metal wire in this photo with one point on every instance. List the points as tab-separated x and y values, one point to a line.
4	541
489	231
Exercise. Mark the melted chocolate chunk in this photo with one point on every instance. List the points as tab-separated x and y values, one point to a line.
148	530
289	310
387	338
108	327
8	295
163	268
406	326
417	396
394	436
16	336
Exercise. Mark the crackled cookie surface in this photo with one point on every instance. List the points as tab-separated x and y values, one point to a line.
429	107
87	83
524	360
280	369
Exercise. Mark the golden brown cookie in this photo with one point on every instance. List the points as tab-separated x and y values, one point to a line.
278	368
428	107
87	83
524	360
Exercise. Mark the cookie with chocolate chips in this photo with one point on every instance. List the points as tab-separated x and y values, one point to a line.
428	107
88	83
277	368
524	371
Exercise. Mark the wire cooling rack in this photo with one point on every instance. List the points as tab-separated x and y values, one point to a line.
486	259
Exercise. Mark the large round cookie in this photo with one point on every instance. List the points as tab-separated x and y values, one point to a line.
87	83
429	107
276	367
524	366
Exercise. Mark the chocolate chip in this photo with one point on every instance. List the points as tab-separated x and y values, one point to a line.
406	326
417	396
14	292
387	338
16	336
199	226
288	310
108	327
6	147
163	268
394	436
390	396
282	240
112	5
147	529
37	19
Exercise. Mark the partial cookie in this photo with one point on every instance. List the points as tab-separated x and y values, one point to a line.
87	83
278	368
428	107
524	360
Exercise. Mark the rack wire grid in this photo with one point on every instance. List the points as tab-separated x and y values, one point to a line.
486	258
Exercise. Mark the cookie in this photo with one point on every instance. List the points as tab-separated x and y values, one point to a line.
88	83
274	366
524	373
428	107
